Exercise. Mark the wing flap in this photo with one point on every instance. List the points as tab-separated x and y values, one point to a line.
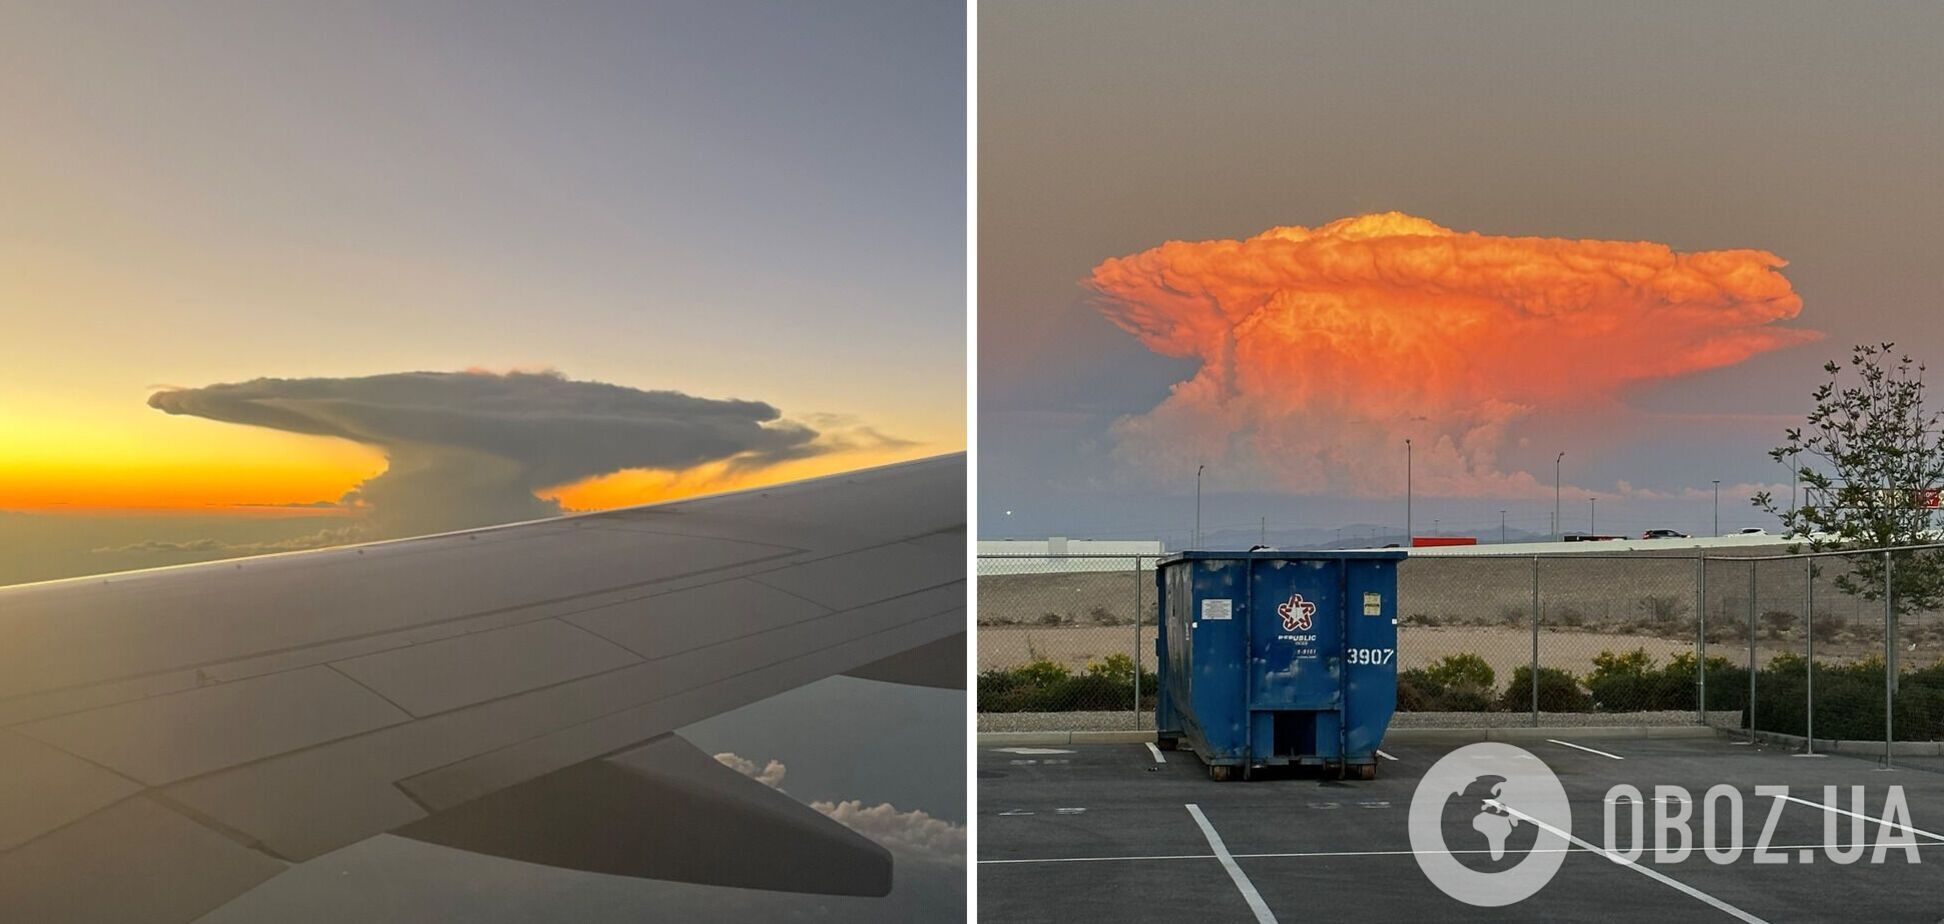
665	810
938	664
909	627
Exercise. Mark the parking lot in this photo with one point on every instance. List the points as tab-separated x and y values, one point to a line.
1122	832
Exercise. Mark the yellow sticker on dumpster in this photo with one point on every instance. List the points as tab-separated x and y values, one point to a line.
1373	604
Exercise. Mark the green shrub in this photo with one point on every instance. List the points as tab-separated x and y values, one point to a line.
1048	686
1042	672
1635	662
1559	691
1849	697
1628	682
1116	667
1417	692
1919	712
1460	670
1452	685
1468	697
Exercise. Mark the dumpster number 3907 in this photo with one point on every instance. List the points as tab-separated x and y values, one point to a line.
1371	655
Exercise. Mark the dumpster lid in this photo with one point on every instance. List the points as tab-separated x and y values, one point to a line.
1289	555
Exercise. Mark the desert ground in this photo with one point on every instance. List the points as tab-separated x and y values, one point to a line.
1484	605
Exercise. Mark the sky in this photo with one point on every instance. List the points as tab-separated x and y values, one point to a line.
1781	154
281	275
731	202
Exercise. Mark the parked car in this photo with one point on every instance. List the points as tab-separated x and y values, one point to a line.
1664	534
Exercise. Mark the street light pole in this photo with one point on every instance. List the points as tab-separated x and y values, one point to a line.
1559	529
1501	527
1589	516
1409	534
1717	506
1198	471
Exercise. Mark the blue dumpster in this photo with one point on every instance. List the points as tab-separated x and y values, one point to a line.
1275	658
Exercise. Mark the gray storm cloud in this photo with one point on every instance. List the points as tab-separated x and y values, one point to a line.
471	448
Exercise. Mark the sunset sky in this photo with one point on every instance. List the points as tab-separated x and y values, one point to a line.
1630	232
752	203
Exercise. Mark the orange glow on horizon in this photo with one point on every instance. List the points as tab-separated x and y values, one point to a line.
252	488
258	489
639	486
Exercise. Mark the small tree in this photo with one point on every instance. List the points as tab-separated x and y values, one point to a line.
1869	451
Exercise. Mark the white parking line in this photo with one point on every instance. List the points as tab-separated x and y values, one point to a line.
1333	854
1157	753
1831	808
1381	753
1173	856
1248	889
1655	875
1585	748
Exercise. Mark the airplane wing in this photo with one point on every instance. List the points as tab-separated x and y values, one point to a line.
171	738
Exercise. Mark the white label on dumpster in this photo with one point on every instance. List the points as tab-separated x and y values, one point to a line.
1373	604
1218	609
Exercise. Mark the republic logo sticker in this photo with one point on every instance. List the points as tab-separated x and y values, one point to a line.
1297	614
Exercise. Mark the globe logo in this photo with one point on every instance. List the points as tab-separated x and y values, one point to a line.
1486	824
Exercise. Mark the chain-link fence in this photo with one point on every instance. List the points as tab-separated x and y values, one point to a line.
1849	647
1069	633
1800	645
1567	639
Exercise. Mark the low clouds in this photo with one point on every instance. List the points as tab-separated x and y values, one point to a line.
1321	350
317	540
770	774
913	835
471	448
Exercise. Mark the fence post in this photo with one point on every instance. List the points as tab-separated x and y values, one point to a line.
1891	634
1138	600
1889	653
1753	566
1701	639
1809	682
1535	641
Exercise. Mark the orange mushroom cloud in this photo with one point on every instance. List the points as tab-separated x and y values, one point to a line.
1322	349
